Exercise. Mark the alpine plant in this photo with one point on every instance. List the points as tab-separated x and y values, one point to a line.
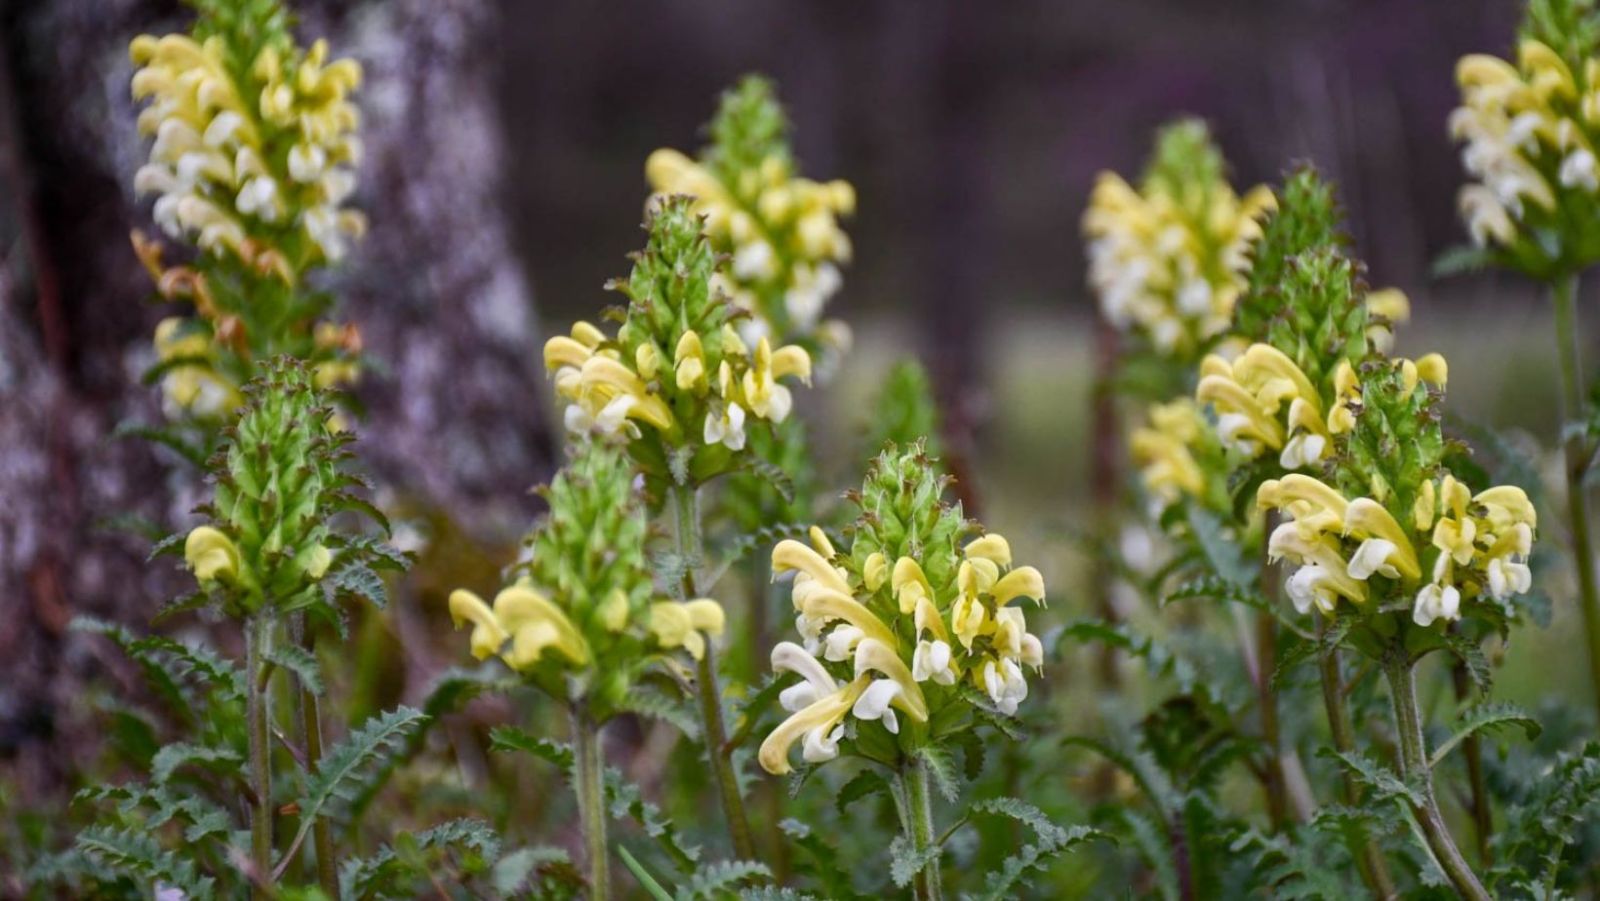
677	381
906	631
1167	259
780	231
252	161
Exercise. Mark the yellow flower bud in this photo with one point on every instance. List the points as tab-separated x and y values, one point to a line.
212	555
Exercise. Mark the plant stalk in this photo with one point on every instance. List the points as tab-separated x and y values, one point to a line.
311	741
918	817
686	507
588	764
1267	695
258	633
1399	670
1574	421
1369	858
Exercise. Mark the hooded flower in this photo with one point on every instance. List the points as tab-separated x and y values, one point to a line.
581	616
1167	259
780	231
892	624
677	370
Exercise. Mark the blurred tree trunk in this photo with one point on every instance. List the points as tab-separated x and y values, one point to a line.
455	419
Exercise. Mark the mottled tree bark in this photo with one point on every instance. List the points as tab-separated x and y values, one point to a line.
455	415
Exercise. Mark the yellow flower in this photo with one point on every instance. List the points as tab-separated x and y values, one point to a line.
525	617
1163	452
212	555
680	624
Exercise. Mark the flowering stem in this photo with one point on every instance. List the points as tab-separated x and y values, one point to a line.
258	633
1267	695
311	740
686	507
1369	859
588	771
1398	669
917	816
1574	416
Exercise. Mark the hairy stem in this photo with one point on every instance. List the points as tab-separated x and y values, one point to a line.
686	507
1369	858
1399	670
1267	694
258	633
588	765
1574	416
311	741
918	820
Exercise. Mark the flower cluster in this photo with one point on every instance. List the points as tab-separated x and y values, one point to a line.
254	140
252	158
781	231
1529	130
277	485
1168	259
1398	519
1165	450
582	605
677	364
907	620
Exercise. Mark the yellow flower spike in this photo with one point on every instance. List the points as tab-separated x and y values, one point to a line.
520	607
821	716
909	584
874	656
792	556
563	351
829	605
927	619
690	362
587	334
1024	581
1434	370
487	634
791	360
212	555
647	360
874	571
992	546
1366	518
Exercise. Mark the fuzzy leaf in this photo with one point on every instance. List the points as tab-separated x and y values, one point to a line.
864	784
300	662
171	757
511	738
356	765
1486	716
943	770
712	880
905	861
357	579
136	854
1384	783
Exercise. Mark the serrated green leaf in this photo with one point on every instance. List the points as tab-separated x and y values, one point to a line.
711	879
353	766
936	760
300	663
171	757
1486	716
